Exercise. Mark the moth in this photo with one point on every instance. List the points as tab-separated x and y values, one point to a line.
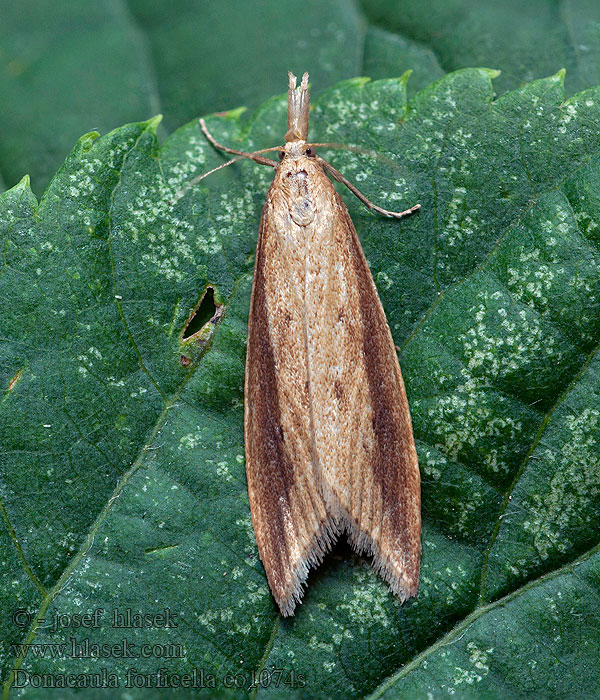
328	433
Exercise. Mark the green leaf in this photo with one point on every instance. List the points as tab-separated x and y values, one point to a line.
123	481
387	55
526	39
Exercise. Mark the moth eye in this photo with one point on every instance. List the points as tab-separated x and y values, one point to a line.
310	152
281	155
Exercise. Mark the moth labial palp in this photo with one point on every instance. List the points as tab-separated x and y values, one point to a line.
328	433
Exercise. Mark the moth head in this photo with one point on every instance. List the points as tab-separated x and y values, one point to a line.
297	149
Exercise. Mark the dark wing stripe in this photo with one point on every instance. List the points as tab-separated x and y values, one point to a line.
271	477
394	466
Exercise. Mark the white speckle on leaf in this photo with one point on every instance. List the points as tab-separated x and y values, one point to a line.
574	485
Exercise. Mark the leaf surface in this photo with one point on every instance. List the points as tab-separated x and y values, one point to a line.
123	481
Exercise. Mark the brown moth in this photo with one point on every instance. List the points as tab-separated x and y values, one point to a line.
329	443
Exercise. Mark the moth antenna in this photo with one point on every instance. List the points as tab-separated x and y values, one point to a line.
298	109
336	175
197	179
357	149
342	146
243	154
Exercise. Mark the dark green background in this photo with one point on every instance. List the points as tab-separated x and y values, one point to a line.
67	68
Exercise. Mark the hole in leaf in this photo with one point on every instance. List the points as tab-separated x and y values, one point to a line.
205	315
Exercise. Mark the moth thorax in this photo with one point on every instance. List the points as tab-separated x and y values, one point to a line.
298	109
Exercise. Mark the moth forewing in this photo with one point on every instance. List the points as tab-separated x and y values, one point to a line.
329	443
